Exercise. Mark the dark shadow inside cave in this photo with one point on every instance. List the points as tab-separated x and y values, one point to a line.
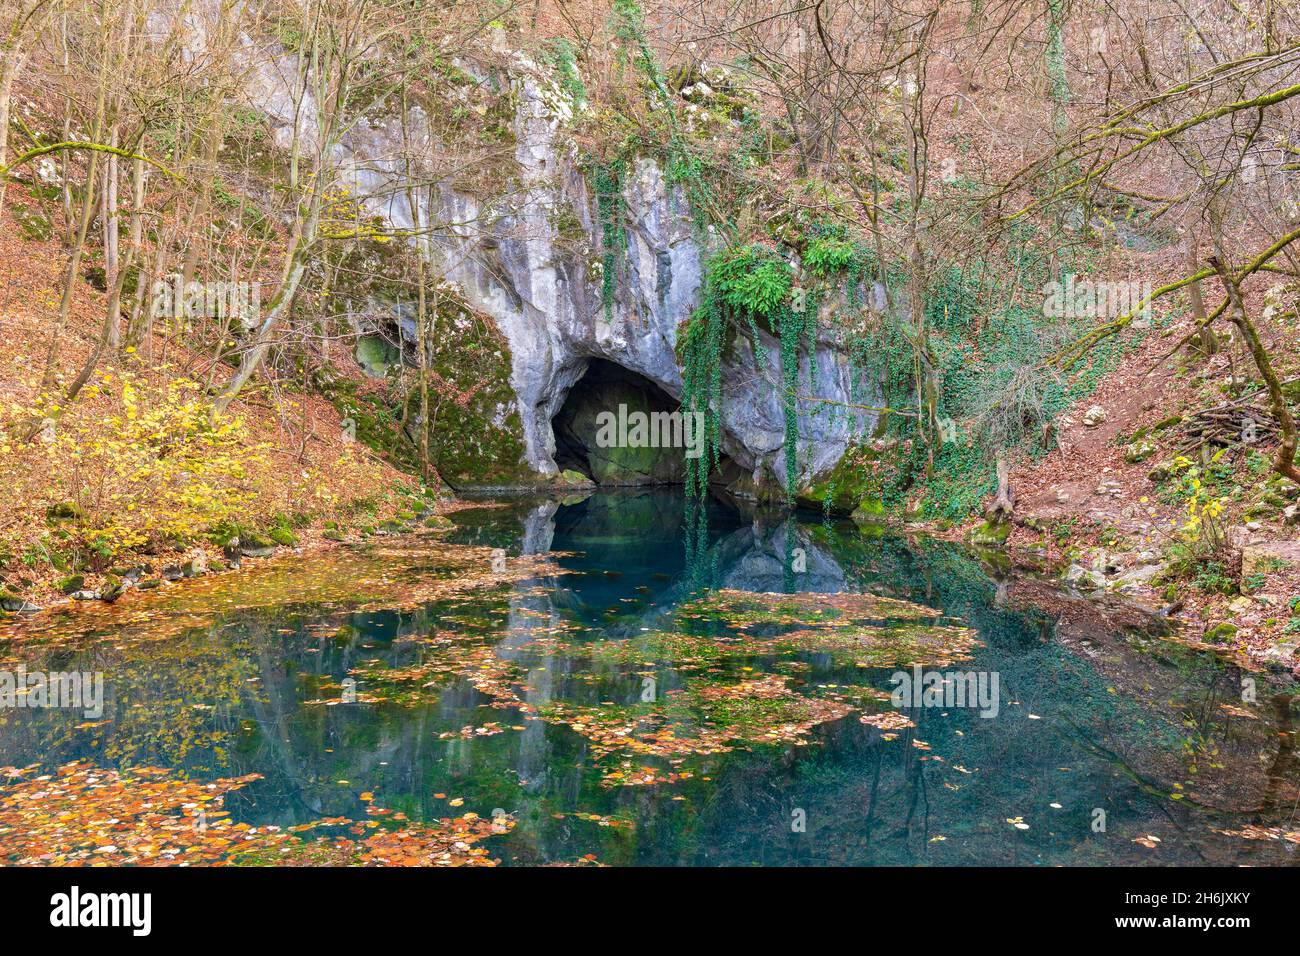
652	455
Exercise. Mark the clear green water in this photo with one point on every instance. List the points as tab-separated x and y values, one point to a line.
551	696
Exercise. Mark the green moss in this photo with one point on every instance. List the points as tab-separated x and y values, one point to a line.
852	482
478	439
282	535
63	511
1221	633
375	355
33	225
870	511
992	534
253	539
71	584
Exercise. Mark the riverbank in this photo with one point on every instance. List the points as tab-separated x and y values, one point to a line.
1119	504
134	482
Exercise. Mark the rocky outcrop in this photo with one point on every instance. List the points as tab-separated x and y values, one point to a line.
527	254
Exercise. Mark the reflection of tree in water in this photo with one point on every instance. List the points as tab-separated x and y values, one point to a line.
174	703
1121	701
1125	715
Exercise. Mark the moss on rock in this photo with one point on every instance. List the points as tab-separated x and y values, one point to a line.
476	435
851	483
991	534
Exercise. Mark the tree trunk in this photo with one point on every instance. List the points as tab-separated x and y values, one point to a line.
1004	503
70	275
11	64
1285	461
112	258
1207	343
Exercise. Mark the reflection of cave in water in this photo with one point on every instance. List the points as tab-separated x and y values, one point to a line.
636	537
1093	715
605	388
669	547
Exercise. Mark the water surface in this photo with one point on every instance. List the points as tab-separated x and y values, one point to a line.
608	685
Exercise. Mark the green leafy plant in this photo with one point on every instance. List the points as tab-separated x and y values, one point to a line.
610	212
750	287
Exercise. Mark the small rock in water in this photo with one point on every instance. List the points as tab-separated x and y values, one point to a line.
18	604
111	589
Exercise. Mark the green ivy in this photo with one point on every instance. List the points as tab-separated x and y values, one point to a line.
751	286
1056	63
701	345
560	55
611	214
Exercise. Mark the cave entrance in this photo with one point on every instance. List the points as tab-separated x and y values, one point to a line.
619	428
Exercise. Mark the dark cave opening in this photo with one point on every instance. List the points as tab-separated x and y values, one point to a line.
619	428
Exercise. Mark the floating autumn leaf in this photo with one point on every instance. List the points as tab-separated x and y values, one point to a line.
889	720
84	815
705	718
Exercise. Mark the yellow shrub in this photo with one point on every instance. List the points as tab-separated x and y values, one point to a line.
157	468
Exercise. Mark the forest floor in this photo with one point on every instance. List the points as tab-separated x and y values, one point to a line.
132	477
1101	504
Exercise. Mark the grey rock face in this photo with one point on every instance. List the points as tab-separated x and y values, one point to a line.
505	253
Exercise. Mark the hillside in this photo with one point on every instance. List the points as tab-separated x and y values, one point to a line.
885	253
134	479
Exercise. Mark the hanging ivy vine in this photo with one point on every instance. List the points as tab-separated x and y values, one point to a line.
611	214
749	287
746	287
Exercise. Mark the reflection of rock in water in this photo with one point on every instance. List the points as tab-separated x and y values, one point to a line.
779	558
624	541
539	528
